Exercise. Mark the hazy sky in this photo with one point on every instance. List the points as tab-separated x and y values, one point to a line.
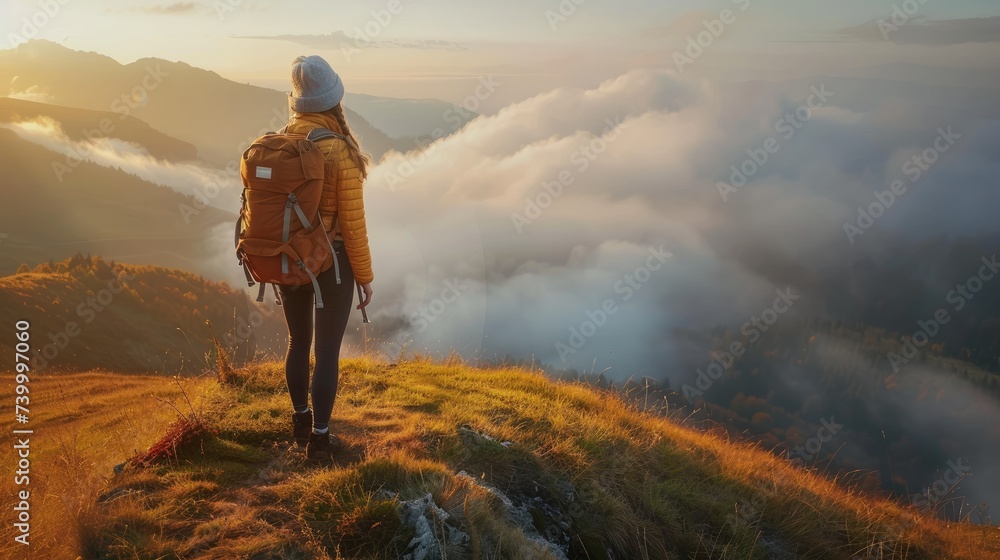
439	48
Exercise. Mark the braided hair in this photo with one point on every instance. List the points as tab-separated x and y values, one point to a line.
361	159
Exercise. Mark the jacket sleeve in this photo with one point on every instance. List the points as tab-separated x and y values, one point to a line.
351	216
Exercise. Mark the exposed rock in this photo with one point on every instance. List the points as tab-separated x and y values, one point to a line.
478	441
428	521
565	490
113	495
529	514
533	501
776	549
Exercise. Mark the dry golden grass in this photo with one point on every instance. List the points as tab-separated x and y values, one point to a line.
644	487
84	425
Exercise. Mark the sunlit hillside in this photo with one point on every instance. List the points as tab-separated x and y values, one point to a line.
83	424
455	461
93	209
86	313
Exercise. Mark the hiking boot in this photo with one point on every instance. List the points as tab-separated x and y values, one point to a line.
302	425
322	447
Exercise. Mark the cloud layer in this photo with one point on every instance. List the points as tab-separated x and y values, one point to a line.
211	186
641	158
534	233
517	234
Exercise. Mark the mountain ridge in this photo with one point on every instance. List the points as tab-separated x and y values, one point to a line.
193	104
88	313
238	110
86	124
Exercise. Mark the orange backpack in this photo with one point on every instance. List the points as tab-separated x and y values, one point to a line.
280	237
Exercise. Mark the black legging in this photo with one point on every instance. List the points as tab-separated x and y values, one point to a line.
297	302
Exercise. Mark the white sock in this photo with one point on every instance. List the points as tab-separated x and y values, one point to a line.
320	432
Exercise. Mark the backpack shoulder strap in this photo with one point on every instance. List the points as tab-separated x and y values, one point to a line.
318	134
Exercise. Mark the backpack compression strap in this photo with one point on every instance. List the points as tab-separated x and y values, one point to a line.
275	248
260	293
293	204
236	240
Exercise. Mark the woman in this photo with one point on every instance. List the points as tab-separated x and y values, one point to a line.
317	92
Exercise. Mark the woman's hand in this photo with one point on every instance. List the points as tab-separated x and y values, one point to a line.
367	288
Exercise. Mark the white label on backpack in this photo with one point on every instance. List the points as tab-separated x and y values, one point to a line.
263	172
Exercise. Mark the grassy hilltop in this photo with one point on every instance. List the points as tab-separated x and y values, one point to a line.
443	461
88	314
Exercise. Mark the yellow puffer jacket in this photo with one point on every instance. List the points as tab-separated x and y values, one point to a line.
342	193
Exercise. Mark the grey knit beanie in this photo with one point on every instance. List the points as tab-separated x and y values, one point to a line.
315	86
